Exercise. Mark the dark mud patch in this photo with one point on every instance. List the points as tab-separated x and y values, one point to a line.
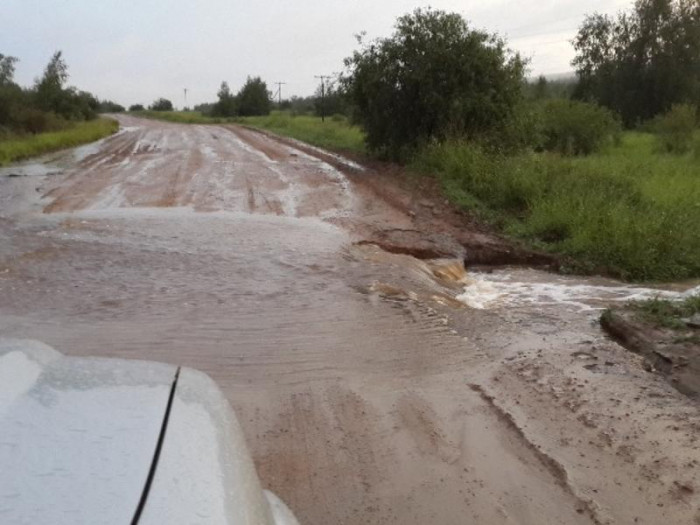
675	354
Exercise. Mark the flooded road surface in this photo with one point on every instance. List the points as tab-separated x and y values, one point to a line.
372	387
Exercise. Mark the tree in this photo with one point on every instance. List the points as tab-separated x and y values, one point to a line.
7	69
49	92
226	106
433	77
254	98
643	61
136	107
162	104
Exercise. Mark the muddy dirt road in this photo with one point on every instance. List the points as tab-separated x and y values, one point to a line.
372	387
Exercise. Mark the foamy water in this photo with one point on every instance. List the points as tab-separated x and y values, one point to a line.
523	288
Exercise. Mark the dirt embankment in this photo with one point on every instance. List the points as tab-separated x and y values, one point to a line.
674	353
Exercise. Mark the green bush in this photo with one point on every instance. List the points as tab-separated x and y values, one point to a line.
253	98
137	107
162	104
675	129
434	77
571	127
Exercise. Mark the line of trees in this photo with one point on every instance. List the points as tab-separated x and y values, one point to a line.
46	105
49	104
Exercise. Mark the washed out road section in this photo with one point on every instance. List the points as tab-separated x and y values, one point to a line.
367	393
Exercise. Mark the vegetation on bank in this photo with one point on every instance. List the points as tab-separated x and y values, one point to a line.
666	313
18	147
628	211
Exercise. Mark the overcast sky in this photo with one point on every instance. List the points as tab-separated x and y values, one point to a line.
133	51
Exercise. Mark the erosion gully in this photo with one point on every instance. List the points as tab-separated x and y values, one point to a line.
372	387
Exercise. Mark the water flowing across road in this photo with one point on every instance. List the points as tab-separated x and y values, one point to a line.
372	387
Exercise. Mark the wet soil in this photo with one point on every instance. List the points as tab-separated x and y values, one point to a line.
673	353
373	385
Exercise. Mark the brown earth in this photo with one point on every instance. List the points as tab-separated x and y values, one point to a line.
673	353
373	386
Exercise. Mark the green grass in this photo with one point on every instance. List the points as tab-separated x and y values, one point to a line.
667	314
16	148
335	133
629	211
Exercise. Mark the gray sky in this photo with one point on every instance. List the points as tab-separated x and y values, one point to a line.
133	51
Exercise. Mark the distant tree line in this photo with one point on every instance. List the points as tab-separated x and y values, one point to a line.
49	104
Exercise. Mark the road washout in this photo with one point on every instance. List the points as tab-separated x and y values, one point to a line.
370	389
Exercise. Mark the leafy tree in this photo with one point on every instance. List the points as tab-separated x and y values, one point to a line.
434	77
162	104
643	61
226	106
7	69
136	107
254	98
49	92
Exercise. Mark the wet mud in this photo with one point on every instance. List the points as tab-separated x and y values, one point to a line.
374	385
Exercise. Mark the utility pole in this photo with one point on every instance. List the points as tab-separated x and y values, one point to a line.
185	97
279	91
323	95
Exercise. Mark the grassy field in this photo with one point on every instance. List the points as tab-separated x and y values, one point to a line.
17	148
335	133
630	211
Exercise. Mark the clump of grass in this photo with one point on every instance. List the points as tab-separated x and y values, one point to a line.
14	148
335	133
666	313
627	211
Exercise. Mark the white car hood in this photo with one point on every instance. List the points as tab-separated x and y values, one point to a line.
110	441
77	435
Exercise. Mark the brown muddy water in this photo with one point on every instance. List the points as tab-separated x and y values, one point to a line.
372	387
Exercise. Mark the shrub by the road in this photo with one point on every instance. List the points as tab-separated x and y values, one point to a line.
571	127
136	107
675	129
161	104
434	77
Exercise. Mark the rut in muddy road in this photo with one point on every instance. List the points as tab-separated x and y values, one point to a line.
372	387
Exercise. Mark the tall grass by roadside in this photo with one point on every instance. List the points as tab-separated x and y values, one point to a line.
628	211
335	133
14	148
